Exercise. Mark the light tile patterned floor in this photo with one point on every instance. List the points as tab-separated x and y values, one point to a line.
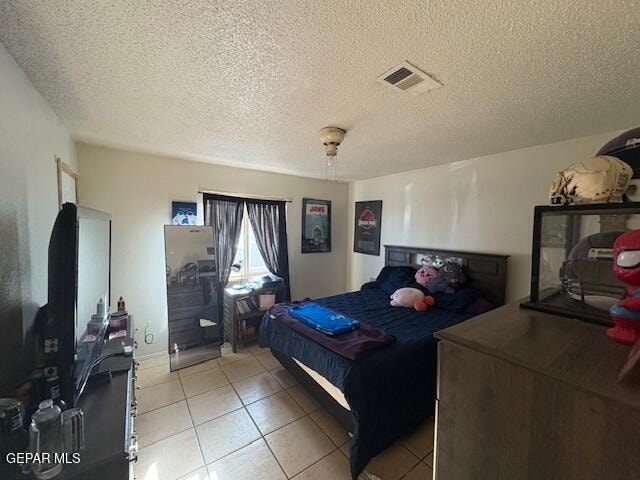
243	416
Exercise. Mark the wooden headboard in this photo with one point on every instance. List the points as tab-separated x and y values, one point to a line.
485	272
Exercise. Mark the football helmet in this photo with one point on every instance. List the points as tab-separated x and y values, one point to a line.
600	179
626	147
587	271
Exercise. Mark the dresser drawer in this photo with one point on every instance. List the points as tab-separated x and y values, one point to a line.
183	325
185	312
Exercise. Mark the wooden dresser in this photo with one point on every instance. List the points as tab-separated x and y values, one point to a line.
529	395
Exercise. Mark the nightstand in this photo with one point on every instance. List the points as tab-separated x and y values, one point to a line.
242	315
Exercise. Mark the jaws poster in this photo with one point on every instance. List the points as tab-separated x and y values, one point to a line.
316	225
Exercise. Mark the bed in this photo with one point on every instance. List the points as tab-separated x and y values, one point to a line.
387	394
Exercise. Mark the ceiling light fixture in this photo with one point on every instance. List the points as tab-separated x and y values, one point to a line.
331	137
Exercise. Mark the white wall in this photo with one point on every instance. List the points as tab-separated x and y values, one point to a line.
137	190
30	136
484	204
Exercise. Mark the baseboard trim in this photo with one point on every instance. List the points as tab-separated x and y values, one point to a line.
149	356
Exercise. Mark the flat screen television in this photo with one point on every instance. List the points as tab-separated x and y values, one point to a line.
79	295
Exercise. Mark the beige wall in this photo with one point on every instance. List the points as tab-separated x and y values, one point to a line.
484	204
137	190
30	136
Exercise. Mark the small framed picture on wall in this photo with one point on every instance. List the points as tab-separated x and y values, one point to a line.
316	225
184	213
367	228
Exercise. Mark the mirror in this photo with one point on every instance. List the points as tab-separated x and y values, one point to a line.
195	332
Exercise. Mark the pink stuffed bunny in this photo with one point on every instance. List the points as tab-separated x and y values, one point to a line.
411	297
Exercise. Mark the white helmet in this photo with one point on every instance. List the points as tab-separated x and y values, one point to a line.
600	179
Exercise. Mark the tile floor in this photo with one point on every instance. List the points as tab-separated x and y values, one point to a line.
243	416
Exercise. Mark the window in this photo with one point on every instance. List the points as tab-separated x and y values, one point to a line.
247	256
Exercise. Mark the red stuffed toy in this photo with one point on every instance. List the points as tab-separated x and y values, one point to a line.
626	265
426	302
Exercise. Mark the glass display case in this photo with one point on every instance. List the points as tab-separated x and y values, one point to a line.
572	259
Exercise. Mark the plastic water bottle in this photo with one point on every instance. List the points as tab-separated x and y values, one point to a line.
46	439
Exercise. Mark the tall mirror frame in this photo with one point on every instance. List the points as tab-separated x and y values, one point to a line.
194	328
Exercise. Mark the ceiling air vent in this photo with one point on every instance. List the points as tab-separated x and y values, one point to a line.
408	78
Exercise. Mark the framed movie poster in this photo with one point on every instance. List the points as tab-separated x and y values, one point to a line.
184	213
366	236
316	225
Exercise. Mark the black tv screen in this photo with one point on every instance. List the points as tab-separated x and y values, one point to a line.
79	293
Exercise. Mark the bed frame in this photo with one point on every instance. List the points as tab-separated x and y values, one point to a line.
485	272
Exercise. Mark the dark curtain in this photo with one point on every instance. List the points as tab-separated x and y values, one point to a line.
269	223
225	215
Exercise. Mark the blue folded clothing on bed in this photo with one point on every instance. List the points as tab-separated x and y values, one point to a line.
323	319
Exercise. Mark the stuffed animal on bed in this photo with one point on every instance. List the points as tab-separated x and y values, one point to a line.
450	277
426	275
424	304
411	297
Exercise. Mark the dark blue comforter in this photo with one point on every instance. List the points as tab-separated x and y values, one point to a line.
392	390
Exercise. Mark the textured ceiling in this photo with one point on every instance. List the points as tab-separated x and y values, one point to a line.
250	83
